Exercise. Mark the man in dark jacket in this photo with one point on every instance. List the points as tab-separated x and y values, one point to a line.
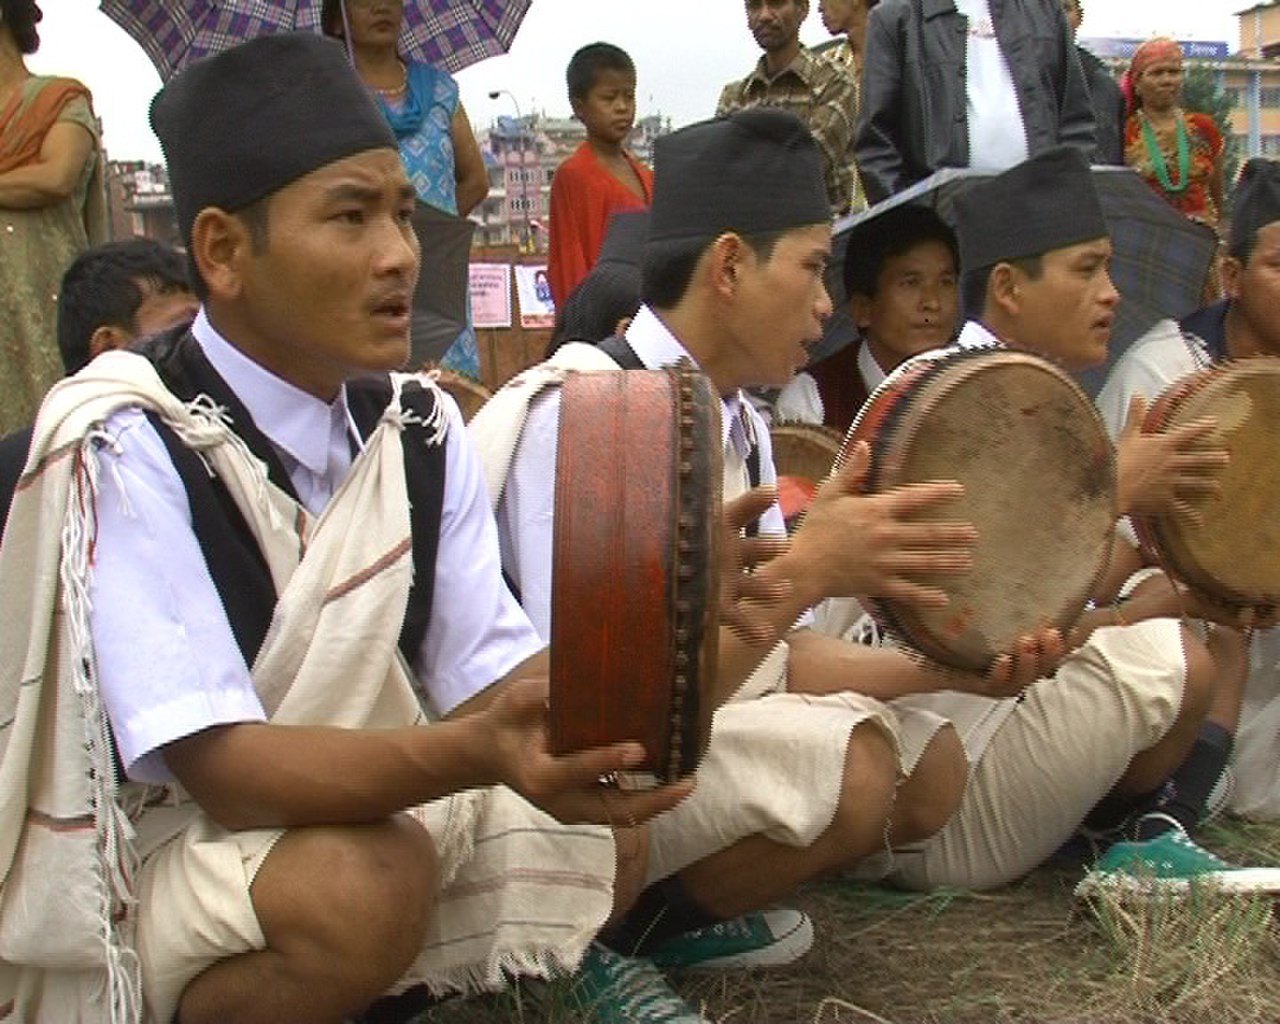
966	83
1104	91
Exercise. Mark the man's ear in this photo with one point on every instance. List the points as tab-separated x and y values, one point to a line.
725	260
1232	271
220	242
1004	288
108	337
860	311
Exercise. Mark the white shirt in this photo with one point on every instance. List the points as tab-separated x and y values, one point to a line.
800	401
872	374
526	511
168	663
997	135
974	335
1151	364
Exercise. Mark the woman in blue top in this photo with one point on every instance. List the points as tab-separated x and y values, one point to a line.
421	103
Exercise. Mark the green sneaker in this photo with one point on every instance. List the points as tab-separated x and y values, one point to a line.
1171	863
768	938
614	989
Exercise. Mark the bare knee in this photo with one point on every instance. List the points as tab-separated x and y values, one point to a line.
1198	683
867	796
353	899
928	799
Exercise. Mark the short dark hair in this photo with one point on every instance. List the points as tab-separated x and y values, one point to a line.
667	266
973	283
586	65
256	218
102	288
21	18
592	311
878	240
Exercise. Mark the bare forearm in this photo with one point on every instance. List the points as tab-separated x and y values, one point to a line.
822	664
32	187
255	775
1154	602
1123	562
472	191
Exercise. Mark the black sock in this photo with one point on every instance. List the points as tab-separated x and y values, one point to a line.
1114	809
1185	793
663	911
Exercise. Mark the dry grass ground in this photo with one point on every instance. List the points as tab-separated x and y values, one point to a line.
1027	954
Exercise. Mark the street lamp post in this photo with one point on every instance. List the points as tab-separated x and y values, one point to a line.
527	237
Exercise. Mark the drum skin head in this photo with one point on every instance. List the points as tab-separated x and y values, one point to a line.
1039	476
803	454
1234	554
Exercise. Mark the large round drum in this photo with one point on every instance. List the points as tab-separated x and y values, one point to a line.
1039	484
803	454
636	566
1233	554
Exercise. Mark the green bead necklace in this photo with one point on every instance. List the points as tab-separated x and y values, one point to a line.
1157	156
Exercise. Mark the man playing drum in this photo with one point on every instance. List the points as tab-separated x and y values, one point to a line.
1241	326
801	773
1125	707
238	567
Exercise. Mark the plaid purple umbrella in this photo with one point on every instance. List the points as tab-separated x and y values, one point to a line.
451	34
1159	263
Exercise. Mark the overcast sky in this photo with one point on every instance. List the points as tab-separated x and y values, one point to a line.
684	50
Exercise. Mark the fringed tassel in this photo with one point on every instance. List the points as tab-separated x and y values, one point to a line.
117	855
209	426
436	425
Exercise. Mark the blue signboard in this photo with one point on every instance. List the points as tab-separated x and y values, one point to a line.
1194	49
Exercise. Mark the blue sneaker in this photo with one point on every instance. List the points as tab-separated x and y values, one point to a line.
766	938
1170	864
614	989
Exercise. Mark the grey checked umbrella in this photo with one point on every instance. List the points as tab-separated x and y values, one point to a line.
450	34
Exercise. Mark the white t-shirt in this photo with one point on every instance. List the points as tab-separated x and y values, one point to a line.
997	136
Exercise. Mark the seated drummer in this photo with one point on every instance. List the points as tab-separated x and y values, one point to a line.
1240	326
226	687
1123	712
901	276
804	775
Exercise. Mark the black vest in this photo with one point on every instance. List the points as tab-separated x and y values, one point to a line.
236	565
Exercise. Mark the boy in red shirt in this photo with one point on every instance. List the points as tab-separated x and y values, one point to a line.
602	176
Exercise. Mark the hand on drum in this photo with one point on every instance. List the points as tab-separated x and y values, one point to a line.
566	787
1197	605
739	589
859	544
1033	657
1170	472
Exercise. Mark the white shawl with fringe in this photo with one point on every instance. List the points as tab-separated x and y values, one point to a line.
70	840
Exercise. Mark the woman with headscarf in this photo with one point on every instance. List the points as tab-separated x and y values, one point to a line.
51	209
1178	152
422	105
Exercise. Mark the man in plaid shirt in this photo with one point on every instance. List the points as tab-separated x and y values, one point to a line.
821	93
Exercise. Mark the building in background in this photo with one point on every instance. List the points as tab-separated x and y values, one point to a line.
140	202
1250	75
522	155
